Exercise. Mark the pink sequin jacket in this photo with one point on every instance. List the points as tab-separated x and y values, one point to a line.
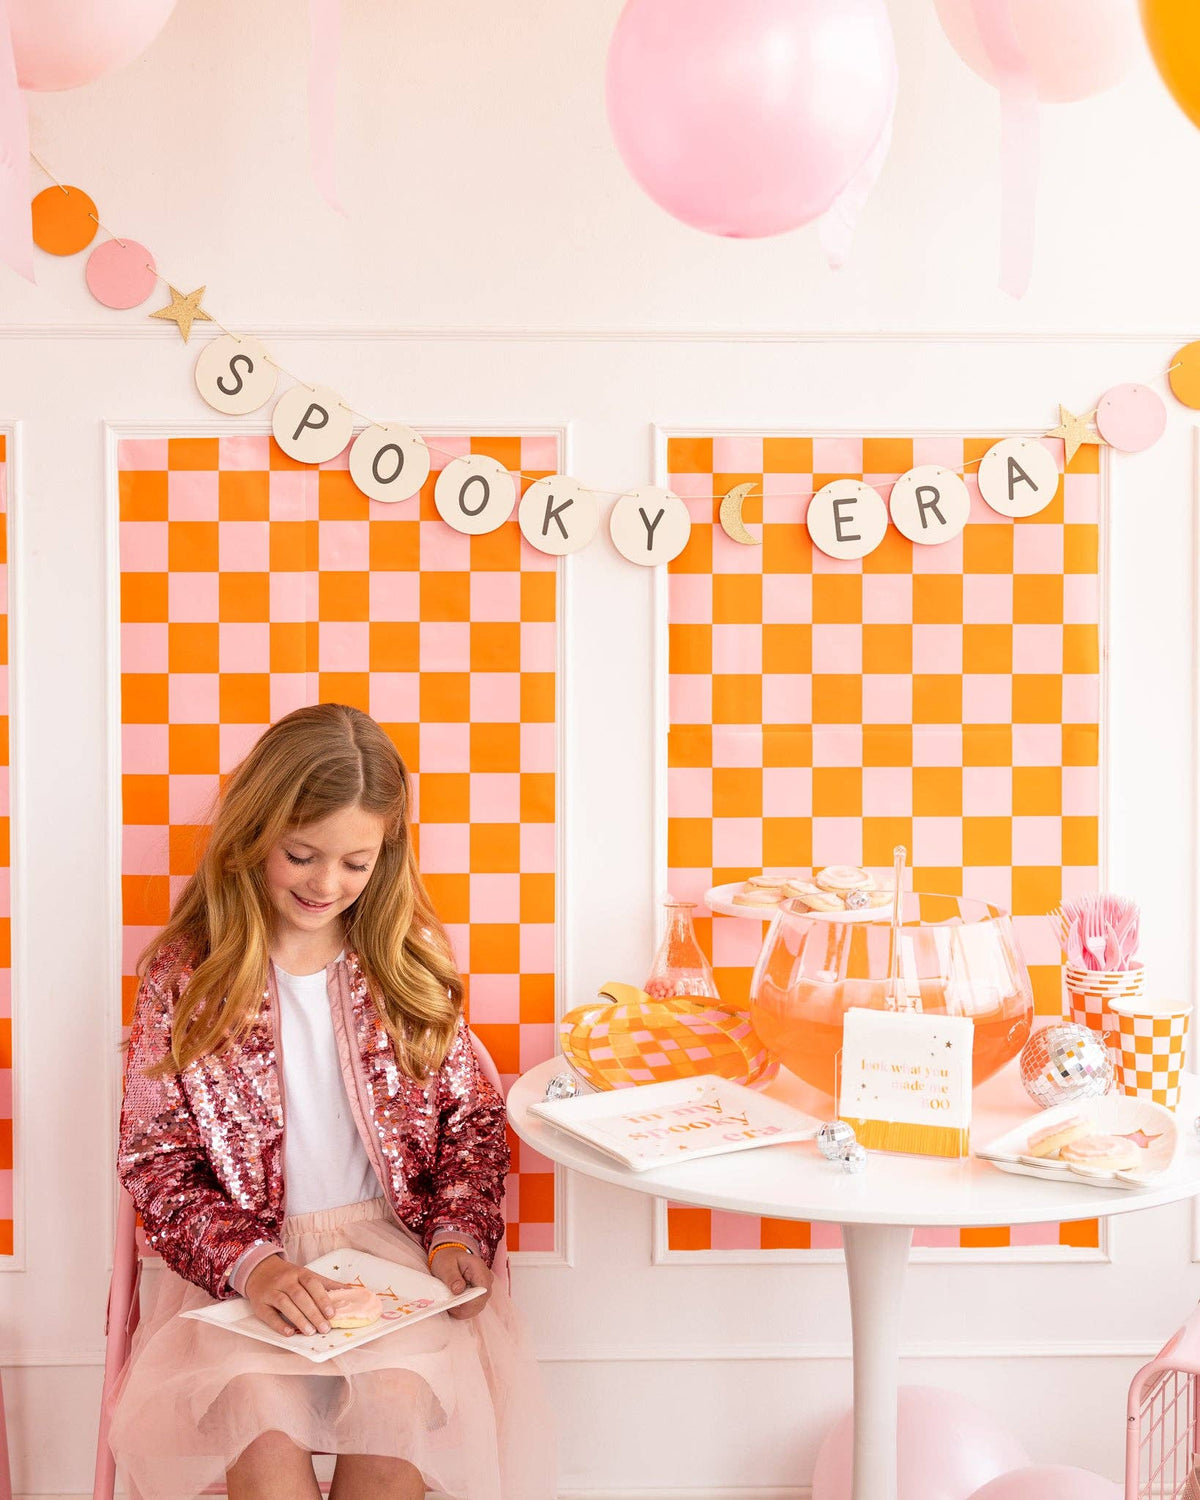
201	1152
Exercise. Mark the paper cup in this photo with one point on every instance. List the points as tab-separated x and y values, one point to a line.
1090	994
1153	1047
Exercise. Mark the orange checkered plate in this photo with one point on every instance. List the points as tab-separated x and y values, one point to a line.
652	1041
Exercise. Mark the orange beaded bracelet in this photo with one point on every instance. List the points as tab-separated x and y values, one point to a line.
448	1244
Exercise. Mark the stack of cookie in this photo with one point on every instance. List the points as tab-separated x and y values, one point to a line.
835	888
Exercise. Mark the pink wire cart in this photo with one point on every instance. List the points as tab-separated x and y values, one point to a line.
1163	1437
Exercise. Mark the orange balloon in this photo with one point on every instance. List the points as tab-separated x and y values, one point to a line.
64	220
1172	30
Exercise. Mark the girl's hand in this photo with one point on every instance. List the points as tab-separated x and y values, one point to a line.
289	1298
459	1269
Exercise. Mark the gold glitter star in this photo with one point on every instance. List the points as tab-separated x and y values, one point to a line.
184	310
1074	431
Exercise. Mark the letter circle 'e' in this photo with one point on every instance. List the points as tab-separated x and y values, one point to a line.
847	518
930	504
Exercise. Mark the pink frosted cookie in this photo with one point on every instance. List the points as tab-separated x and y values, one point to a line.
1108	1153
1049	1141
354	1307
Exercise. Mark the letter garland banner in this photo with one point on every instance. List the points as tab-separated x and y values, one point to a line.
252	584
823	711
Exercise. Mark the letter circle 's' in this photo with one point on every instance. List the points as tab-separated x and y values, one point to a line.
847	518
650	526
235	374
475	494
930	504
558	515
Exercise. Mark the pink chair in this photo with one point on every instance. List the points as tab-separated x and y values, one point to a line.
124	1311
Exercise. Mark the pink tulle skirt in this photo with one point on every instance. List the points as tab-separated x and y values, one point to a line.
459	1398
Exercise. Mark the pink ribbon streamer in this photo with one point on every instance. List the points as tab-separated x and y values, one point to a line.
837	225
1019	142
324	46
16	220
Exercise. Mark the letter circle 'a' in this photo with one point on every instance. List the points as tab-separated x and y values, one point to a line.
650	526
847	518
930	505
558	515
475	494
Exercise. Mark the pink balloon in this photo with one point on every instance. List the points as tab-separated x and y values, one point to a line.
60	44
1049	1482
946	1448
748	117
1074	48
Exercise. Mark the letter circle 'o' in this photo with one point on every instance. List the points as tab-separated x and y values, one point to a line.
235	375
847	518
930	504
475	494
1018	477
558	515
650	526
312	423
389	461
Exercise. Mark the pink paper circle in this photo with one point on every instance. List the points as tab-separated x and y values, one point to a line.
120	273
1131	417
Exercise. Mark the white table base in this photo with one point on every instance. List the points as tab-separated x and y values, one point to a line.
876	1263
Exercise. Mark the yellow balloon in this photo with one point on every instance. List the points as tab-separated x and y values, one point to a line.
1172	30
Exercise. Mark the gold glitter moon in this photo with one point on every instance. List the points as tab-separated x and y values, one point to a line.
731	516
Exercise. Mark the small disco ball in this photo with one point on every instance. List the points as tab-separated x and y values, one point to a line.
854	1159
562	1086
1061	1064
835	1139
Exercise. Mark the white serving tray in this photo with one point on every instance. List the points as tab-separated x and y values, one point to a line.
408	1295
720	899
1114	1114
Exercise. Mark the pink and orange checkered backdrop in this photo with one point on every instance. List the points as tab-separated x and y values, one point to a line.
942	697
250	585
6	1077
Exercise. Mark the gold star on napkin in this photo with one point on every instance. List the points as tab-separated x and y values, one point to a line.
1074	431
184	310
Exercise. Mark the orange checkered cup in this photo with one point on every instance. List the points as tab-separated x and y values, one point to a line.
1153	1048
1090	993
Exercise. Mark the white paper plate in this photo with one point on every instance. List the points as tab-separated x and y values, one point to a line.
720	899
1114	1114
408	1296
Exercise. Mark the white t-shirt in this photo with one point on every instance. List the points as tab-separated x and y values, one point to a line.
325	1163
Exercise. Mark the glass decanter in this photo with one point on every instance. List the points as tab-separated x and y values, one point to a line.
680	968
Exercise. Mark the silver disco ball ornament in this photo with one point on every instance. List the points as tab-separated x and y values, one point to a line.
1061	1064
562	1086
854	1159
834	1139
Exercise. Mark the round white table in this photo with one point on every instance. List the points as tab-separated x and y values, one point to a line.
877	1210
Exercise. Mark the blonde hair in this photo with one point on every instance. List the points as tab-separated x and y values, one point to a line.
314	762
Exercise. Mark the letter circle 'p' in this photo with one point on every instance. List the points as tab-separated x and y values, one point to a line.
847	518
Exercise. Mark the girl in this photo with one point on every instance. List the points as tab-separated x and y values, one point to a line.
300	1079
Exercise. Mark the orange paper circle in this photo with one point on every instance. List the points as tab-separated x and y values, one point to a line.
64	220
1184	375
